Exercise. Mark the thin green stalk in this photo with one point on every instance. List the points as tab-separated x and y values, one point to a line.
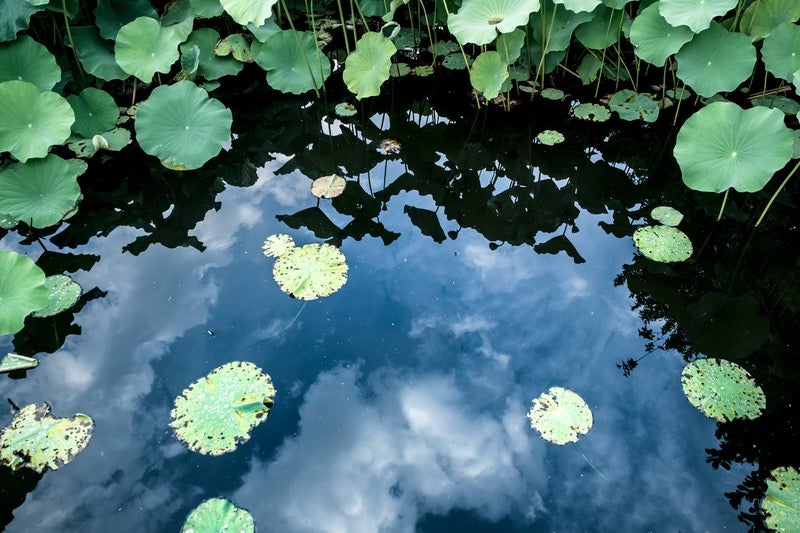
430	33
69	37
344	26
724	201
300	47
780	188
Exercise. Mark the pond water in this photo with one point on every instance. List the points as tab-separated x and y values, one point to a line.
402	398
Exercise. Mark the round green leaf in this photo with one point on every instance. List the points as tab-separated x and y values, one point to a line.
14	17
210	66
781	51
32	121
716	60
111	15
723	146
41	192
654	38
95	111
781	502
62	294
696	14
344	109
182	126
550	137
206	8
96	54
578	6
552	94
25	59
634	106
287	56
762	16
215	515
592	112
277	245
603	30
666	215
479	21
488	73
560	416
143	48
722	390
664	244
217	412
328	186
727	326
368	66
22	290
311	271
37	440
249	11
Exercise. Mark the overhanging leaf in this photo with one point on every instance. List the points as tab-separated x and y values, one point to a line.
488	73
781	51
249	11
143	48
96	54
479	21
654	39
722	390
14	17
367	67
111	15
22	290
95	111
26	60
63	292
696	14
293	62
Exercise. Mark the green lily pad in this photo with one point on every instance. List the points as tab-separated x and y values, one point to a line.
442	48
234	45
96	54
14	17
293	62
578	6
604	29
454	62
328	186
263	32
277	245
344	109
560	416
37	440
26	60
631	105
715	61
217	412
13	363
726	326
781	51
654	39
41	192
95	111
31	121
762	16
723	146
666	215
311	271
550	137
367	67
178	19
206	8
111	15
112	140
249	11
62	294
592	112
22	290
488	73
215	515
781	503
143	48
479	21
509	45
399	69
209	65
722	390
664	244
552	94
182	126
697	15
554	26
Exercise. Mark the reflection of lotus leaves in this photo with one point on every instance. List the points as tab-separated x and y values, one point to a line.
722	390
726	326
311	271
217	514
664	244
781	503
560	415
277	245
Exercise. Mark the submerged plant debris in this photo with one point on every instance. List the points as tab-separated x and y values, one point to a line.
722	390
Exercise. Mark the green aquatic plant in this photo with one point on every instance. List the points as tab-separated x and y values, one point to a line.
480	21
631	105
247	12
488	74
328	186
344	109
781	51
664	244
310	271
217	412
62	293
722	390
95	111
762	16
592	112
697	15
111	15
112	140
15	16
654	39
560	416
293	61
210	66
277	245
578	6
669	216
781	503
37	440
367	67
96	55
215	515
143	47
234	45
13	363
550	137
27	60
552	94
22	290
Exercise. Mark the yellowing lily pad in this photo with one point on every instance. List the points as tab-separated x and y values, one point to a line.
215	515
722	390
550	137
277	245
311	271
328	186
560	416
664	244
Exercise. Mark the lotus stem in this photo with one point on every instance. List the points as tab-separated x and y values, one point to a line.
724	201
69	37
299	47
353	21
344	26
780	188
428	27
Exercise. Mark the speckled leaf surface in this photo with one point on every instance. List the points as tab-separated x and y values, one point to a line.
560	416
277	245
664	244
217	514
722	390
62	294
311	271
781	503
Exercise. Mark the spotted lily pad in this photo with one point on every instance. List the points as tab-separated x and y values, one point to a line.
277	245
722	390
631	105
37	440
217	412
63	292
328	186
13	362
781	503
560	415
343	109
593	112
215	515
666	215
664	244
22	290
550	137
311	271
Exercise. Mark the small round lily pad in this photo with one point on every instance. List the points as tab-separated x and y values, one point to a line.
550	137
311	271
62	294
560	415
344	109
217	514
552	94
277	245
722	390
328	186
592	112
781	503
664	244
668	216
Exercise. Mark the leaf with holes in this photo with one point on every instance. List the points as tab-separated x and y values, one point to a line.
781	503
311	271
666	215
722	390
560	416
215	515
277	245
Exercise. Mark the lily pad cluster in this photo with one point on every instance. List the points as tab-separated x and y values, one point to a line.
306	272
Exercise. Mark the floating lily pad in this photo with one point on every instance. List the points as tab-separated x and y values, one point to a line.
246	12
22	290
697	15
37	440
62	294
26	60
781	51
234	45
654	39
143	48
367	67
592	112
666	215
781	503
480	21
344	109
293	62
217	412
631	105
328	186
95	111
216	515
723	146
13	363
664	244
311	271
550	137
454	62
488	73
112	140
277	245
722	390
552	94
560	416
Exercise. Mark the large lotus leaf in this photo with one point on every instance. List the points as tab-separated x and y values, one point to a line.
631	105
293	62
277	245
13	363
578	6
664	244
96	54
111	15
560	415
22	290
41	192
604	29
210	66
95	111
479	21
206	8
726	326
32	121
715	61
557	27
781	503
723	146
697	14
311	271
14	17
509	45
654	38
249	11
762	16
37	440
63	292
488	73
217	412
182	126
25	59
178	19
143	48
722	390
215	515
781	51
368	66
